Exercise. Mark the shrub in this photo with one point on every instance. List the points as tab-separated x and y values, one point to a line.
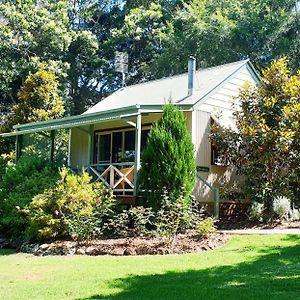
282	207
172	216
20	183
132	222
294	215
3	165
256	211
74	207
168	159
206	227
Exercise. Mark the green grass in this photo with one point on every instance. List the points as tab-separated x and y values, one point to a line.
247	267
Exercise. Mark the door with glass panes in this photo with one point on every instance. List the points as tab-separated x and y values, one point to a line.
117	146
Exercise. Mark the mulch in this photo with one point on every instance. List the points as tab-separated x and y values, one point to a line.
183	243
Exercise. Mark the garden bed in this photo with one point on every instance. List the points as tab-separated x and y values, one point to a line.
184	243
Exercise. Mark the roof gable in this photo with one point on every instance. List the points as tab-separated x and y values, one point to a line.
175	88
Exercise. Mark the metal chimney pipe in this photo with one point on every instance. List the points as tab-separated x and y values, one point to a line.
191	75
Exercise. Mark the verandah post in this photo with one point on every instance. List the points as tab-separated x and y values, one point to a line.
91	145
52	145
137	160
19	141
69	147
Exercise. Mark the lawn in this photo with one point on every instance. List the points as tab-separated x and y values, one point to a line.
247	267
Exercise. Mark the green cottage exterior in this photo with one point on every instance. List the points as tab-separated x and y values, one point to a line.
108	139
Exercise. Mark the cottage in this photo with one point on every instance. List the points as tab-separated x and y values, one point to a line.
109	138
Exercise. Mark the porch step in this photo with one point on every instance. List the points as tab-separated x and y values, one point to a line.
128	200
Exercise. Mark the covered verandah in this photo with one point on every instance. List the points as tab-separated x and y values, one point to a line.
107	144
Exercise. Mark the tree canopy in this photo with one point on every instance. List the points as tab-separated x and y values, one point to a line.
77	40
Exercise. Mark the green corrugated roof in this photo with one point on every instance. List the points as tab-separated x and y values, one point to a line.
145	97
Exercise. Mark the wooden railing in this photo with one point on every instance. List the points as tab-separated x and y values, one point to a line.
119	177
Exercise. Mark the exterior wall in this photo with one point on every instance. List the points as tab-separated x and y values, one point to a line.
79	139
79	155
217	174
221	106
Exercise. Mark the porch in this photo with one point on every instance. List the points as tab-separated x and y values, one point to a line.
107	144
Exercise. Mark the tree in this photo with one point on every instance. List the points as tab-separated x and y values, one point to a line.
143	36
168	164
31	32
39	98
218	32
265	146
84	64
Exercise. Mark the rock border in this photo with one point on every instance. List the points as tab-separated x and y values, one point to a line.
183	243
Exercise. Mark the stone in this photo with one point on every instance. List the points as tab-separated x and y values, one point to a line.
44	247
4	244
144	250
29	247
91	251
129	252
80	251
162	251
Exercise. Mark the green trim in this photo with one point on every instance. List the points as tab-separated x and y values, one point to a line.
78	118
86	119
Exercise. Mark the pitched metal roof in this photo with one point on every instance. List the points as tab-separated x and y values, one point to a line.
175	88
144	98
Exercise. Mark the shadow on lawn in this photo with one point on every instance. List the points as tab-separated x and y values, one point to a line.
274	275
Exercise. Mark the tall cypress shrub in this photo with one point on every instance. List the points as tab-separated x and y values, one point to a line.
168	164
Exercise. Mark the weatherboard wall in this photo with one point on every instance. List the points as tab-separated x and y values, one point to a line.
218	106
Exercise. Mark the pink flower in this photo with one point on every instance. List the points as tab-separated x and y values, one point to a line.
56	213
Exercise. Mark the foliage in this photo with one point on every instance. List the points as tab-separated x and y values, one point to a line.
39	98
79	39
168	163
159	36
146	31
282	207
172	217
3	165
84	71
33	32
74	207
36	144
206	227
256	211
265	146
18	185
132	222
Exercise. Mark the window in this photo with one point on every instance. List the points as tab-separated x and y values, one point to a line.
129	146
216	158
117	146
103	148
